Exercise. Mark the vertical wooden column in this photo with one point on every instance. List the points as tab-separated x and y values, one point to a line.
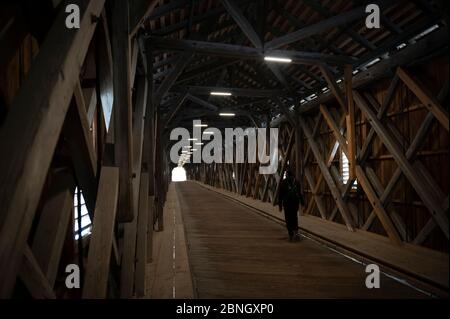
30	133
298	153
158	172
141	245
350	118
148	156
97	268
122	108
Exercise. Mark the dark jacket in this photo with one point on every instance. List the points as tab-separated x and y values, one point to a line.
285	198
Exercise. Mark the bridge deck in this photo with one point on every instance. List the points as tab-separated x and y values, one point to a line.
236	253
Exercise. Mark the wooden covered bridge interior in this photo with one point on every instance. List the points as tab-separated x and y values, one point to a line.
85	171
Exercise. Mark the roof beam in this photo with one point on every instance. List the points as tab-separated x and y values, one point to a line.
335	21
203	103
244	52
165	86
139	11
242	22
206	90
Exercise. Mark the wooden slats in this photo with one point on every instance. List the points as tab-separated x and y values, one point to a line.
430	102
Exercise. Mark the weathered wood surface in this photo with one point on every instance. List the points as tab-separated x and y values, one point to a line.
35	121
100	247
235	253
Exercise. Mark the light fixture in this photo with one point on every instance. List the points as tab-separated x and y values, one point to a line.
227	114
194	149
200	125
208	133
198	143
192	139
220	93
187	146
277	59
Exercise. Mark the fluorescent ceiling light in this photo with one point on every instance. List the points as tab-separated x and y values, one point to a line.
201	125
187	146
192	139
227	114
208	132
194	149
198	143
277	59
220	93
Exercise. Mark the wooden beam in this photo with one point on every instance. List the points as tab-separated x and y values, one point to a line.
105	74
351	129
377	206
53	223
33	277
130	229
422	190
141	241
176	107
419	51
203	103
242	22
323	25
423	94
35	121
316	197
134	61
139	11
244	52
327	176
166	85
206	90
333	86
122	108
206	67
100	246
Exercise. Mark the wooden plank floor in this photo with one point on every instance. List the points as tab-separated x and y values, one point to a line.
236	253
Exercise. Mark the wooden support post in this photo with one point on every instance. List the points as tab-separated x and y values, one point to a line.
99	257
35	121
141	245
327	176
33	277
430	102
79	139
422	190
317	198
52	227
351	130
333	86
377	206
122	108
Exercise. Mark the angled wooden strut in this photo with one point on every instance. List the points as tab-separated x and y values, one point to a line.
35	121
414	178
342	206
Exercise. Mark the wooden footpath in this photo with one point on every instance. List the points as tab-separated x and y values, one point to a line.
237	253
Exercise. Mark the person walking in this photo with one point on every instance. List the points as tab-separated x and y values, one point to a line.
290	198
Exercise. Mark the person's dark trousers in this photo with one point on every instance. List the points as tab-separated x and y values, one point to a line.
290	216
